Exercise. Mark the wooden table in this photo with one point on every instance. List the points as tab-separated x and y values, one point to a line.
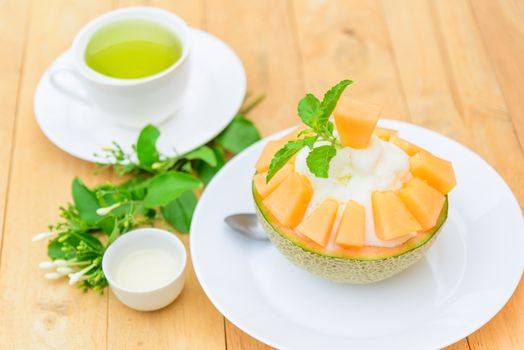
455	66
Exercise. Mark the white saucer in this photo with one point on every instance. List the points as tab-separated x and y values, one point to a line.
465	278
215	93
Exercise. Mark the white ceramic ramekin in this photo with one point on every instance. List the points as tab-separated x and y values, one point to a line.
146	238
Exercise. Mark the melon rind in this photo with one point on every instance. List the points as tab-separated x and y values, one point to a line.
347	270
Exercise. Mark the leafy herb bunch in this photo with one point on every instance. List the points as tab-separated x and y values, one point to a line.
318	137
157	188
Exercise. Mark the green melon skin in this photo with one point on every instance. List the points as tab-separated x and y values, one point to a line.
343	269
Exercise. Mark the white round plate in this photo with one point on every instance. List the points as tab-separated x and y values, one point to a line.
465	278
215	93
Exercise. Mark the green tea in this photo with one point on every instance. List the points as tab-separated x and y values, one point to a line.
132	49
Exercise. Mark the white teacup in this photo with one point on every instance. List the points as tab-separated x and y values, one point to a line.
129	102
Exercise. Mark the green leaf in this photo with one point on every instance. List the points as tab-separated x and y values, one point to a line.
318	160
166	187
329	102
85	201
54	250
239	134
203	153
179	212
136	187
146	146
107	224
309	110
287	152
205	171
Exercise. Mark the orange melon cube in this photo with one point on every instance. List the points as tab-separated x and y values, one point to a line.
392	218
437	172
267	154
355	122
289	201
352	229
423	201
272	147
384	133
263	188
404	145
318	225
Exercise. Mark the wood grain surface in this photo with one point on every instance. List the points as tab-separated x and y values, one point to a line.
455	66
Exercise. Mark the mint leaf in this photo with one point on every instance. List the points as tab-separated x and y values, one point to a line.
146	146
310	141
203	153
318	160
329	102
239	134
167	187
305	132
287	152
85	201
309	110
179	212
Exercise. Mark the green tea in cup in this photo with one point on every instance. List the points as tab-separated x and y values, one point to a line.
132	49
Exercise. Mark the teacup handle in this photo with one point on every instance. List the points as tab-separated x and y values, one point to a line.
66	69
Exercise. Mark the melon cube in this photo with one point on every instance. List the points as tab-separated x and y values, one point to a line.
355	122
392	218
272	147
289	201
351	231
437	172
267	154
318	225
404	145
263	188
423	201
384	133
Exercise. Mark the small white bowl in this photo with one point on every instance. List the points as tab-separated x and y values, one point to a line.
146	238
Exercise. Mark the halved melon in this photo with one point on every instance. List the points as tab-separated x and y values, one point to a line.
289	201
334	246
436	171
359	265
384	133
392	218
355	122
423	201
351	231
404	145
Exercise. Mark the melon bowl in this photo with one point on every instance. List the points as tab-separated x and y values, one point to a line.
346	200
368	265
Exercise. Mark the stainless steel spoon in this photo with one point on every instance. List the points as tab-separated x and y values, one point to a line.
247	224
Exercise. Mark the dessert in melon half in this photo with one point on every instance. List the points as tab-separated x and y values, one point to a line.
346	200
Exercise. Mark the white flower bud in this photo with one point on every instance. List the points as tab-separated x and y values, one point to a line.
60	262
42	235
64	270
46	265
53	275
107	210
77	276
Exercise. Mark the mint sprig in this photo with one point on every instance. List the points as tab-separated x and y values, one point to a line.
315	114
